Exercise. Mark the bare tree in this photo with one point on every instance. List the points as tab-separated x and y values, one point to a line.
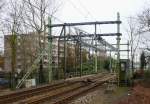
2	4
35	16
133	30
36	13
144	20
12	25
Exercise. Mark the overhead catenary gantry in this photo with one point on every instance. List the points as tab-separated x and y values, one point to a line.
81	38
97	36
95	40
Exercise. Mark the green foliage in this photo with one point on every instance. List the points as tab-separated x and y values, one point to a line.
84	55
102	64
142	61
88	63
147	74
106	64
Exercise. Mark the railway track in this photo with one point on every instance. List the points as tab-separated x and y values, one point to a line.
57	93
66	97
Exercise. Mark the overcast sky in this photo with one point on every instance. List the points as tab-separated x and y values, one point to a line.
101	10
81	10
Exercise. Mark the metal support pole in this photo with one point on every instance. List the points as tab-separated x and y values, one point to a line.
80	60
128	49
76	58
89	53
95	51
118	47
110	65
92	53
128	70
65	61
49	51
100	61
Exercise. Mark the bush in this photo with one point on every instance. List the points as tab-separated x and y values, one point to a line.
147	74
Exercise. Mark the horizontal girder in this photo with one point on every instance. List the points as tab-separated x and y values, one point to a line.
85	23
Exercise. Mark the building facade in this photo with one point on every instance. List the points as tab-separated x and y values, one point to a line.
26	48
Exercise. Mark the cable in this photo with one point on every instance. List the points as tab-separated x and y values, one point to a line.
76	8
84	8
88	12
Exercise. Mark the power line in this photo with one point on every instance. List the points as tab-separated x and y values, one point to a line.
86	9
76	8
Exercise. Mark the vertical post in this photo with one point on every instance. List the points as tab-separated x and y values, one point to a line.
128	49
118	47
65	61
110	65
76	58
89	53
49	50
100	61
80	60
58	59
128	66
80	56
92	56
136	55
95	51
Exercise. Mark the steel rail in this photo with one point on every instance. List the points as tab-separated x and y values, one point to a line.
22	94
62	96
18	95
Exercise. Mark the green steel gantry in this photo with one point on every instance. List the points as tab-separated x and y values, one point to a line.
63	36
